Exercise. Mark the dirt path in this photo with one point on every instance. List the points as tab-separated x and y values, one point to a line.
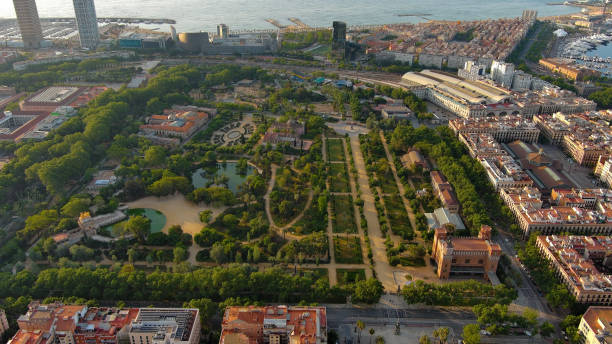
384	271
273	225
300	215
178	211
273	169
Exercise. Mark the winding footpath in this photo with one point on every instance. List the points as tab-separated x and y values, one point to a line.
273	225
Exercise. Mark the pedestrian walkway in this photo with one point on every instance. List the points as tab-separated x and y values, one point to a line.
384	271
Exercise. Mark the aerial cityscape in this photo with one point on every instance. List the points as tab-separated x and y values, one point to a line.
271	173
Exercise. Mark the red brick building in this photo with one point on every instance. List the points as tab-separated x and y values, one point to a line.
465	256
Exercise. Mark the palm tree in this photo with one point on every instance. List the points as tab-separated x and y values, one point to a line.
371	334
442	334
360	326
424	339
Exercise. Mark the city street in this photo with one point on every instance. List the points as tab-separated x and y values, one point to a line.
412	321
528	295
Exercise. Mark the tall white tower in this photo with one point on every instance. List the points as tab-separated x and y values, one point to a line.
87	23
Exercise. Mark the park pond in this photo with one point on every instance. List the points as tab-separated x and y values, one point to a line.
205	177
158	219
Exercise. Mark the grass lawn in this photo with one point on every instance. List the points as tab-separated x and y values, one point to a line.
412	261
347	250
338	178
347	276
335	150
343	214
398	218
321	51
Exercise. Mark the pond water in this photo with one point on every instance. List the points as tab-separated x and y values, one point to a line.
202	177
158	219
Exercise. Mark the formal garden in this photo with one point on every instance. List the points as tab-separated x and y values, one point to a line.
335	150
338	178
347	250
343	214
391	210
235	133
398	217
315	216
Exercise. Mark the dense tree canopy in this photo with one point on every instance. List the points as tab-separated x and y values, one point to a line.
219	283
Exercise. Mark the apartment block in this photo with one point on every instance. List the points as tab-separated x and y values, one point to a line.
604	170
481	145
502	129
504	172
586	149
472	71
502	73
526	205
104	325
551	128
549	100
585	137
165	326
522	81
274	325
466	256
596	325
57	323
493	40
577	261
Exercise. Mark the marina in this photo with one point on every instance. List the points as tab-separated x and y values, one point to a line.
591	51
